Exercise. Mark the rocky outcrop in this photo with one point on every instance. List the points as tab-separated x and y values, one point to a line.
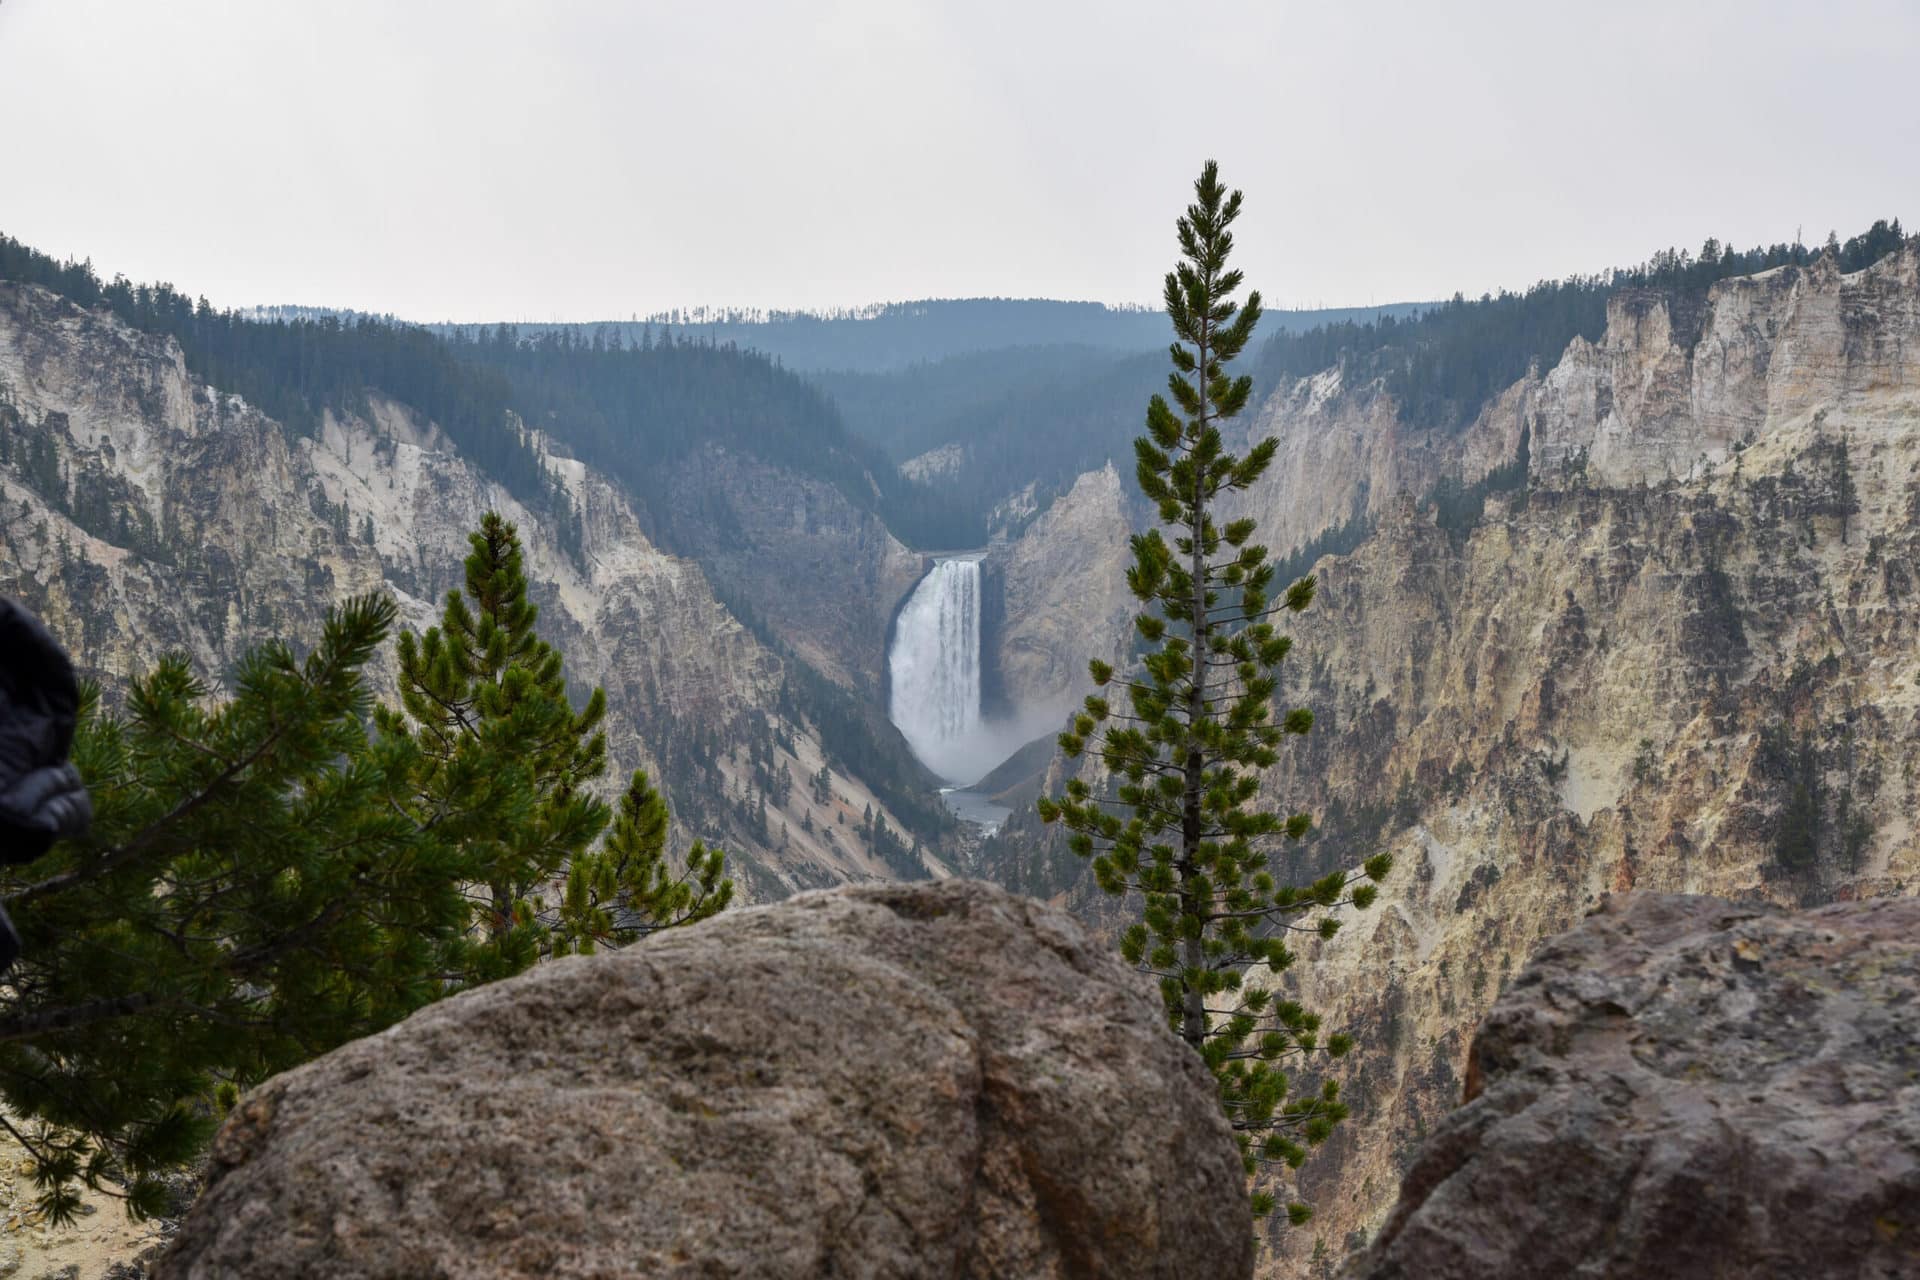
143	511
1347	451
1684	1087
924	1081
1706	686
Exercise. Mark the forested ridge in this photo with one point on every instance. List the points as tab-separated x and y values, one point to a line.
632	410
894	336
1042	415
1443	364
1028	416
295	370
910	411
624	408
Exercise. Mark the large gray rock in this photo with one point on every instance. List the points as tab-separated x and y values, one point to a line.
935	1080
1683	1087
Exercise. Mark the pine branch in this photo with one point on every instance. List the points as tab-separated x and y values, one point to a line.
48	1021
153	831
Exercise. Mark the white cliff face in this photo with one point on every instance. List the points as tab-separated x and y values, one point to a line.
1066	597
219	530
1345	451
1650	402
1706	613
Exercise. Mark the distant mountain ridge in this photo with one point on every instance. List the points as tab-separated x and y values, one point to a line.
898	335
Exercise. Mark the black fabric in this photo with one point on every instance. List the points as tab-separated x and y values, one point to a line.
41	796
9	941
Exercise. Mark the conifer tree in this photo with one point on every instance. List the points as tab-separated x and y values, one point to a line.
1197	845
504	759
246	899
627	889
264	881
504	765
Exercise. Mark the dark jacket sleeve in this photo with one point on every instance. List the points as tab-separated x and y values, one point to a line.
41	795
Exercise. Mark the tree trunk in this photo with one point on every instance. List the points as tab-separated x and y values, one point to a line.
1193	1012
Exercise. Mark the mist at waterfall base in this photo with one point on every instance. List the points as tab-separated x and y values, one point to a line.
934	676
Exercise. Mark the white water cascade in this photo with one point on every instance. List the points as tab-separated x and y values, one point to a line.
934	669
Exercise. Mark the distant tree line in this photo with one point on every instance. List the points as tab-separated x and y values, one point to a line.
630	409
1442	365
892	336
295	370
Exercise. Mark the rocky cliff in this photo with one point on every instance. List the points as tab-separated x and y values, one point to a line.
1063	583
1685	657
142	510
1684	1087
815	570
936	1082
1346	452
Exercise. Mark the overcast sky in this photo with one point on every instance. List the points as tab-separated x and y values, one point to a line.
583	159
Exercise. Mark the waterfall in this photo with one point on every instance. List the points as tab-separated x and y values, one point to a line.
934	669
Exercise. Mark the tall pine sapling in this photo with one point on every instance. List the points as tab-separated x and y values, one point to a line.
504	766
1198	847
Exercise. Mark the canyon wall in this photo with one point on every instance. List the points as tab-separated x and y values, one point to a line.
1684	657
818	572
1347	451
1065	589
143	511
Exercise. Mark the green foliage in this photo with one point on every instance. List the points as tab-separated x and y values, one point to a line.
1336	541
503	763
264	881
627	888
92	496
1794	762
1458	507
502	758
246	899
1199	847
1835	491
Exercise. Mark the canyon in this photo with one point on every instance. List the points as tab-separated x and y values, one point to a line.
1675	645
143	511
1683	656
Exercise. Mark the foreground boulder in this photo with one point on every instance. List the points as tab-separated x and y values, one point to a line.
906	1081
1682	1087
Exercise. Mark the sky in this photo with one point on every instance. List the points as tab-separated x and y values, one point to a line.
589	159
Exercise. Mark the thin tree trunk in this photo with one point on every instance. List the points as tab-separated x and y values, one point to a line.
1193	1013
